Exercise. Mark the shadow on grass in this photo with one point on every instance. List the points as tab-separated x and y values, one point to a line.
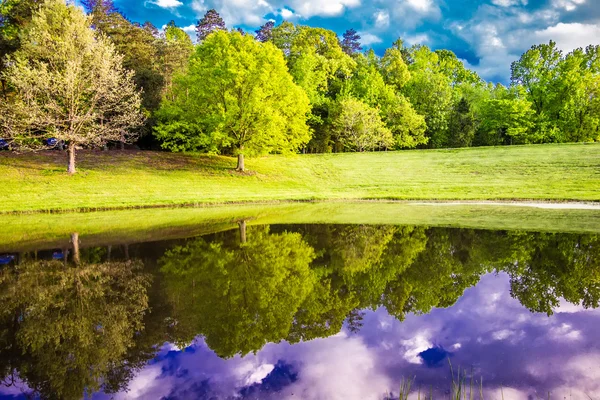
98	160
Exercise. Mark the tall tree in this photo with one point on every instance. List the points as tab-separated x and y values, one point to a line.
68	84
139	45
462	125
14	17
351	42
237	95
175	52
359	127
211	22
265	33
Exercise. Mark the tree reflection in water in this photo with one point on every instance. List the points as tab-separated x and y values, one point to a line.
74	327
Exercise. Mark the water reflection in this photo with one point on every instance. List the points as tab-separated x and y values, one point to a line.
319	311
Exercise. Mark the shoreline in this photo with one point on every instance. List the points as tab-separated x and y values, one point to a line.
526	203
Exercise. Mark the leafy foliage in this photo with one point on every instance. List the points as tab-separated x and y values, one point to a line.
236	94
211	22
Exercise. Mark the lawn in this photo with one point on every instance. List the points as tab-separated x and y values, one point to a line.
121	179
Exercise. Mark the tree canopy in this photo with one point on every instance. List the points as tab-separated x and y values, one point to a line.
68	84
236	94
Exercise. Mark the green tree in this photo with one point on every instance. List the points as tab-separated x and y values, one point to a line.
175	53
236	95
318	65
507	121
394	68
431	93
579	91
141	48
359	127
14	17
211	22
68	84
63	327
462	125
368	85
537	72
238	295
551	267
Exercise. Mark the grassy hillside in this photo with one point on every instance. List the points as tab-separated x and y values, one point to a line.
129	179
38	231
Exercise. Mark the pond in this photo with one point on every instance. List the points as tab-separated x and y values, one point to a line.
303	311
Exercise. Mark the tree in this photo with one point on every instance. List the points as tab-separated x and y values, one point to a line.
578	86
430	92
69	85
211	22
507	121
319	66
394	69
14	16
537	72
175	53
140	47
462	125
351	42
368	84
265	33
64	327
359	127
237	95
239	295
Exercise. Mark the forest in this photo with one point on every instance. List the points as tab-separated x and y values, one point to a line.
90	78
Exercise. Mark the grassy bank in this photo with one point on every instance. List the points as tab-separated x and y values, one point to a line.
38	231
31	182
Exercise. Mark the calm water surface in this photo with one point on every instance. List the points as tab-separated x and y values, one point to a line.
303	312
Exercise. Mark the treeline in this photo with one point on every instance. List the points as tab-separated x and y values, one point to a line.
286	88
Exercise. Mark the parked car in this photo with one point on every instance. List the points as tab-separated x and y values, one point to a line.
6	259
3	144
55	144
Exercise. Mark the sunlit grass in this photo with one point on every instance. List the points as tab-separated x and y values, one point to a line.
118	179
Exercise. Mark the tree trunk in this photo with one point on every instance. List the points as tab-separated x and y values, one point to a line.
242	225
71	153
122	145
75	242
240	166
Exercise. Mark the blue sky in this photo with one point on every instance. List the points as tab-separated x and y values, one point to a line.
488	35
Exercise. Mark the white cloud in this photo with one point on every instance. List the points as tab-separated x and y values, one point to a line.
167	3
568	5
510	3
235	12
328	8
569	36
367	39
286	13
190	29
382	19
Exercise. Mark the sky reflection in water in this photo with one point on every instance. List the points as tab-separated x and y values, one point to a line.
519	354
487	330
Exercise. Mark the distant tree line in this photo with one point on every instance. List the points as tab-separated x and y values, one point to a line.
286	88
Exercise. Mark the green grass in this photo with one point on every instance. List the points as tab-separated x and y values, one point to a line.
35	182
26	232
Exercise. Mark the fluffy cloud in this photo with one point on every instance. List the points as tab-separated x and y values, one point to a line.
368	39
168	3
